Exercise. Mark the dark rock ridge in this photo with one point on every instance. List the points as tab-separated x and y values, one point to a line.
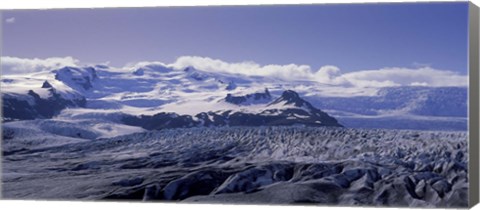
46	84
249	99
296	112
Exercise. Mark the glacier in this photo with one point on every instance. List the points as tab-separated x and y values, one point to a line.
281	165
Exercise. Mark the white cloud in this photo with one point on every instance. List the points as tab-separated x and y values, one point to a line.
142	64
10	20
14	65
384	77
330	75
285	72
418	84
425	76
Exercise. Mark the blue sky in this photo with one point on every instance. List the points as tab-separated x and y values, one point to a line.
351	37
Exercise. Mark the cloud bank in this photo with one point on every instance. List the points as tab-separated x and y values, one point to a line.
332	75
385	77
248	68
10	20
425	76
14	65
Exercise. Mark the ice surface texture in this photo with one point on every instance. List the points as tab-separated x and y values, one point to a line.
281	165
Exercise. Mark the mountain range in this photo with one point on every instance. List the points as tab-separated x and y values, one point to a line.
156	96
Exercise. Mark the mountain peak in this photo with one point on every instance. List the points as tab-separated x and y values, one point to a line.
79	78
46	84
290	97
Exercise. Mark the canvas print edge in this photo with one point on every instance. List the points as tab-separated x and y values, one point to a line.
473	120
474	88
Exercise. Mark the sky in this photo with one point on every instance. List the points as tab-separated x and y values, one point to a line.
351	37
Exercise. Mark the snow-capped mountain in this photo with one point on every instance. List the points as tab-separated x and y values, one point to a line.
289	109
423	108
423	101
37	96
79	79
156	96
